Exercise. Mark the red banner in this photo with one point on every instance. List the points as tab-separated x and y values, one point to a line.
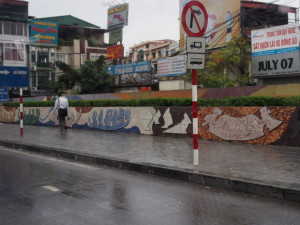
115	52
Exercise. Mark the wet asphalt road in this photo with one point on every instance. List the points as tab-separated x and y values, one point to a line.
36	190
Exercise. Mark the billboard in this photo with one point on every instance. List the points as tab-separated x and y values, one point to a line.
136	67
115	36
173	66
223	22
43	33
117	16
114	52
275	51
14	76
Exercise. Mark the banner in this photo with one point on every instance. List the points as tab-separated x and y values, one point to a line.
44	32
115	36
223	22
117	16
114	52
136	67
173	66
275	51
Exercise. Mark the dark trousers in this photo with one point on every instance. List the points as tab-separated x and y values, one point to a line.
62	113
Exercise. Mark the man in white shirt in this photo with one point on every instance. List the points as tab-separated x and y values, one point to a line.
62	105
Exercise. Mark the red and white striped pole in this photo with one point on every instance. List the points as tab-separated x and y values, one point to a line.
21	111
195	115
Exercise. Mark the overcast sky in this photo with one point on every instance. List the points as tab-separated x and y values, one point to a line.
148	19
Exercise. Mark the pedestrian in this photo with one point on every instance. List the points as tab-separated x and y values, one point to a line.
61	104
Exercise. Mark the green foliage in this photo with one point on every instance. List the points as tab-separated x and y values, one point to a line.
70	76
228	66
95	79
91	77
230	101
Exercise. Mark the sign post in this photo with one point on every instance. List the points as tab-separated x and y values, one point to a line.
194	22
15	77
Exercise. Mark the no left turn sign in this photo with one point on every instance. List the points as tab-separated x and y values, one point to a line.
194	19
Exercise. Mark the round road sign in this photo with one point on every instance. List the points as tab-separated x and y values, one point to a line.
194	19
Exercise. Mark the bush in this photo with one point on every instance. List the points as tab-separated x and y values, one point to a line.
231	101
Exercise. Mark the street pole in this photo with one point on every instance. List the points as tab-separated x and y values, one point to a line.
195	116
21	111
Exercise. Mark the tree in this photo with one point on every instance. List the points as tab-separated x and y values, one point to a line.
90	77
94	78
70	76
227	66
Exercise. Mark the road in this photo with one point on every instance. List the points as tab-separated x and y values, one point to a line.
37	190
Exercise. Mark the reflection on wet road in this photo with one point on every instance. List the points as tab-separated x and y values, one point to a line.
35	190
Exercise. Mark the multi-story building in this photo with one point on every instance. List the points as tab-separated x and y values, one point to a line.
78	40
150	50
75	42
14	39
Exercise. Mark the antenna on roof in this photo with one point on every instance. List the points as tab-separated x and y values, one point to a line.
112	3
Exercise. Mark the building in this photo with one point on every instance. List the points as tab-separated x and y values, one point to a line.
70	40
150	50
78	40
14	35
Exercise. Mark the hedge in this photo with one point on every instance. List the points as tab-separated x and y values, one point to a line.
230	101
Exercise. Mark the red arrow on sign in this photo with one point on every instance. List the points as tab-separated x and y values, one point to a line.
198	14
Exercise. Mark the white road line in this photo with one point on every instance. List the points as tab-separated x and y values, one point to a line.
51	188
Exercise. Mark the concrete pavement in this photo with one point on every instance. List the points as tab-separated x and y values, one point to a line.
257	169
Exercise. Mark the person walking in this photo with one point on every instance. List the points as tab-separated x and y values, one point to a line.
62	105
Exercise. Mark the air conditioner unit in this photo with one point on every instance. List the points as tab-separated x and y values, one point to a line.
33	88
33	68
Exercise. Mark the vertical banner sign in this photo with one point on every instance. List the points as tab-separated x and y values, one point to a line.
115	36
4	94
194	21
275	51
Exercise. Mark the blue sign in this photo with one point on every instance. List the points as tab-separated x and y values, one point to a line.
14	76
136	67
44	32
4	95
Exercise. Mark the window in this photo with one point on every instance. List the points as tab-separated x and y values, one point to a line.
7	28
82	59
0	27
94	57
43	57
153	55
1	52
12	28
62	58
19	29
33	55
14	52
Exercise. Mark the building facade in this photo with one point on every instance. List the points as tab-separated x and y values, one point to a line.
78	40
14	36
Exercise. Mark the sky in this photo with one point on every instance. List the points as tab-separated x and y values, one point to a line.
148	19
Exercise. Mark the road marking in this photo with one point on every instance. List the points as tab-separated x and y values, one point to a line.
51	188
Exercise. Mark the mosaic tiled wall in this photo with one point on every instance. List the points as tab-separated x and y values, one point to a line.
259	125
140	120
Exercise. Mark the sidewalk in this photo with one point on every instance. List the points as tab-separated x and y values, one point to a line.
263	170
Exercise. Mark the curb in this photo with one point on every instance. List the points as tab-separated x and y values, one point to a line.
198	178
